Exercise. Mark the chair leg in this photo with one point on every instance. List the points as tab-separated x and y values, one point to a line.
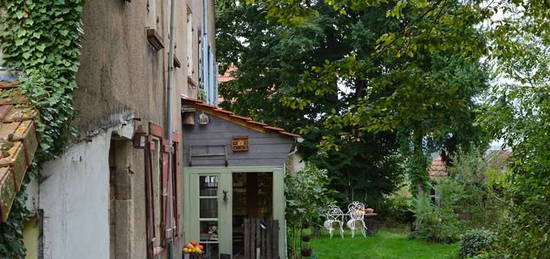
330	233
364	228
341	232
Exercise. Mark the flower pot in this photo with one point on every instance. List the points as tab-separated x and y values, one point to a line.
306	252
193	256
306	238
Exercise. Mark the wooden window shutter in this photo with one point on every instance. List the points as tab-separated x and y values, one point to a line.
175	181
165	221
149	199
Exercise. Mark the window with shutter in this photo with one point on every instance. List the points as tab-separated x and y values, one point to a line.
189	40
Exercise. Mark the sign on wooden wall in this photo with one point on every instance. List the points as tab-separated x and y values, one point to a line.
240	144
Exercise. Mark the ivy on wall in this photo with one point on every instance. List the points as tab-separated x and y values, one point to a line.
41	38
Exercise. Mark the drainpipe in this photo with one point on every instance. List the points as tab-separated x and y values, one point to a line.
170	95
205	51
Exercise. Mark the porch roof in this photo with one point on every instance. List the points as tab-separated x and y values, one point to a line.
231	117
18	142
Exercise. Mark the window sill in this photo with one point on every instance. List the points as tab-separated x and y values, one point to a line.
192	83
177	62
154	39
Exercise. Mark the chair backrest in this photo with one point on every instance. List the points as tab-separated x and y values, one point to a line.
334	212
356	210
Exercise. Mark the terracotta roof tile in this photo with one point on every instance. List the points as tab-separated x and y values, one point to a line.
242	120
242	117
224	111
257	122
18	143
274	128
5	85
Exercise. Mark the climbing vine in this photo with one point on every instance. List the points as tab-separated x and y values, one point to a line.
41	38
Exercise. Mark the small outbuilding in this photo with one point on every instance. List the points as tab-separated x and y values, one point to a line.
234	182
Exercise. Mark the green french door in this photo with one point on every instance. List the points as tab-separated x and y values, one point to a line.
217	200
209	211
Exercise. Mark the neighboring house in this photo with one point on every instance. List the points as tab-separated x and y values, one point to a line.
437	169
116	191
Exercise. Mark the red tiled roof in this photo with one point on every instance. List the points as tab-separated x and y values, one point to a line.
438	168
241	120
227	76
18	143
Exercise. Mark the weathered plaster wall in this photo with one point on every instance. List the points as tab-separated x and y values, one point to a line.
74	195
121	80
121	72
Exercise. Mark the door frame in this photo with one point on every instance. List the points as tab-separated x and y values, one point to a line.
191	198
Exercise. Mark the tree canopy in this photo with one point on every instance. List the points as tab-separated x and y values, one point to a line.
362	108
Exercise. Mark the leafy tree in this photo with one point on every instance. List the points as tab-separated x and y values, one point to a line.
522	116
329	77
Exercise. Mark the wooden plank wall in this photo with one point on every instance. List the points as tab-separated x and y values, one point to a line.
257	238
269	149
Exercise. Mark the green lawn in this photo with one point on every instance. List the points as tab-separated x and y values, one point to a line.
386	244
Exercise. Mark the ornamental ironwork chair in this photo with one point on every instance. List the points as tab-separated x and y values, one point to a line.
334	215
356	213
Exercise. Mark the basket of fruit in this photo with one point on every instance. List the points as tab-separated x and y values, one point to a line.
193	250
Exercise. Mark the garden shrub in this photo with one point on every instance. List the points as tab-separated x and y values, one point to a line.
397	206
470	197
307	198
435	223
477	242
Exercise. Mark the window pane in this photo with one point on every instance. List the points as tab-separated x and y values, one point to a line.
211	251
208	208
208	185
209	231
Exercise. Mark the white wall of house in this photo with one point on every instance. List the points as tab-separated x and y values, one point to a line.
74	196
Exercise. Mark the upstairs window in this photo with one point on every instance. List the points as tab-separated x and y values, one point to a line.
152	14
190	40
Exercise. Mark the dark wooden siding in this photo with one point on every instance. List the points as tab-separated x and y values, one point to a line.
269	149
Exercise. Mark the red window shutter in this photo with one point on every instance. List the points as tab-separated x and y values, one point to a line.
165	221
175	181
149	199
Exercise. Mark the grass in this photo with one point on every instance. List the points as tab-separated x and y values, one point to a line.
386	244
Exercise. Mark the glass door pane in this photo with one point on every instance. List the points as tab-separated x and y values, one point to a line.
208	215
252	199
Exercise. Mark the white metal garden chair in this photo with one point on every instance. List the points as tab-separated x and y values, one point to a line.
334	216
356	213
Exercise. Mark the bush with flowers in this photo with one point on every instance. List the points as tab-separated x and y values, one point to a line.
193	248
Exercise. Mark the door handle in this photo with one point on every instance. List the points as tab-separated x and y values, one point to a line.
225	196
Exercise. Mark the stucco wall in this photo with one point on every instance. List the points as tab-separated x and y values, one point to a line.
75	202
74	196
119	69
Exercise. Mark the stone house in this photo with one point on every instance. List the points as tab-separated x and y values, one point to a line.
115	192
